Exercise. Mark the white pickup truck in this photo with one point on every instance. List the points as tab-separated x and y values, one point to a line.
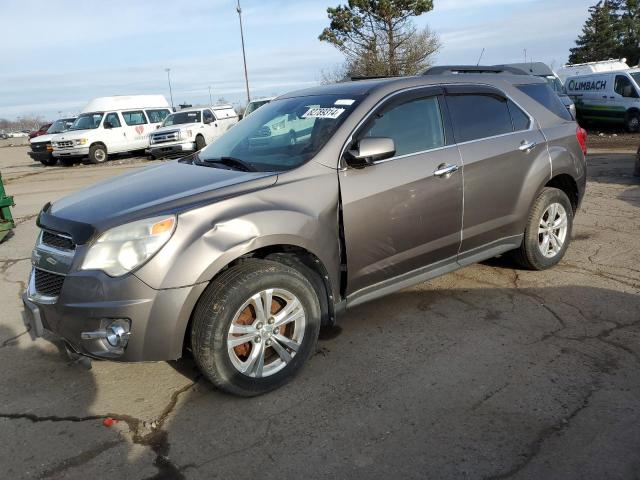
190	130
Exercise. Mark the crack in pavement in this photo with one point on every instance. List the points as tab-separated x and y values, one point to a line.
11	340
542	436
156	438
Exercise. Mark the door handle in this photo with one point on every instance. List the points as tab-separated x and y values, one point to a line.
526	146
445	170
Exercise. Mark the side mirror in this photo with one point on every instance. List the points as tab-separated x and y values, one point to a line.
370	150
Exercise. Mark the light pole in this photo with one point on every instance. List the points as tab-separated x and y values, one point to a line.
168	70
210	99
244	57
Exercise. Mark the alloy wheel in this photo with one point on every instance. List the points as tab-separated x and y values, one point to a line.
552	230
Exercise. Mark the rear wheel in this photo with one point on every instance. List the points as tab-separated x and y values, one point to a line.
255	326
98	153
548	231
200	142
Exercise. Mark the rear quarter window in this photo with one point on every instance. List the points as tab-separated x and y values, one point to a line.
157	116
545	96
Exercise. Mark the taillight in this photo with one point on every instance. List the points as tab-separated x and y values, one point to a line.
581	135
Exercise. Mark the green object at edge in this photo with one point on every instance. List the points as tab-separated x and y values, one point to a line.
6	220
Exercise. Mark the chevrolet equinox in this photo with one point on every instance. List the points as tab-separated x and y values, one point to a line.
316	202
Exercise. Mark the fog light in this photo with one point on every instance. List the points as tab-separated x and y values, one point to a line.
118	333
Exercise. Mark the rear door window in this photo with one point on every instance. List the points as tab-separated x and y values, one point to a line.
135	117
157	116
545	96
477	116
414	126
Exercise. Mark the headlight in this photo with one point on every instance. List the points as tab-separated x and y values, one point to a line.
124	248
80	141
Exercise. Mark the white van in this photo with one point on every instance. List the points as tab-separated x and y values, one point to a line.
190	130
578	69
111	125
607	97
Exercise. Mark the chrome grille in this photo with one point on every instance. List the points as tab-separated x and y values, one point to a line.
39	146
164	137
47	283
57	241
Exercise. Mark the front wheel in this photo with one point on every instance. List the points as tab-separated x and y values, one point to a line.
548	231
98	154
255	326
200	142
632	122
49	162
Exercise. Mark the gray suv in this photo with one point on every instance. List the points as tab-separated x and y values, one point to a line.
318	201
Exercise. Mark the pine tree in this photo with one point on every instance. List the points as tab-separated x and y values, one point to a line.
629	28
600	39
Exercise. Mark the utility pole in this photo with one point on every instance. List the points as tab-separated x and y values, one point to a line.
525	55
168	70
244	57
480	58
210	99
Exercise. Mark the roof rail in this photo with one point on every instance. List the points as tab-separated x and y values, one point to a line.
357	78
457	69
609	60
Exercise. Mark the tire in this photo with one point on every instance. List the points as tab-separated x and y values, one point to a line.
200	142
632	122
227	300
49	162
530	254
98	154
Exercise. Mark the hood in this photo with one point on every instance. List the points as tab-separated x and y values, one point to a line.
72	134
156	190
43	138
180	126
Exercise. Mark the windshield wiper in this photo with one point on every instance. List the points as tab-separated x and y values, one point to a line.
232	162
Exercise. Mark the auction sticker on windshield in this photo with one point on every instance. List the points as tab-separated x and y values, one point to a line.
323	112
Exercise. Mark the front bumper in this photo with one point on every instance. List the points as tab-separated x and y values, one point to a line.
166	150
40	156
89	300
74	152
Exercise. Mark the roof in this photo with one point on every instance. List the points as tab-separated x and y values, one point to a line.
364	87
531	68
122	102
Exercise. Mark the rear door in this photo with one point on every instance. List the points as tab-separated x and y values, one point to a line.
399	216
137	130
501	150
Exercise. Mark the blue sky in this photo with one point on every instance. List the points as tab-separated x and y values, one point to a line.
57	55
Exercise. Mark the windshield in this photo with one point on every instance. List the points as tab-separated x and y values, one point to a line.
87	121
555	84
283	134
182	117
61	125
252	106
636	77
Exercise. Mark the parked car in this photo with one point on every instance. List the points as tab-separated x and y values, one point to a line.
40	131
542	70
610	97
109	125
191	130
41	149
253	105
3	135
240	252
19	134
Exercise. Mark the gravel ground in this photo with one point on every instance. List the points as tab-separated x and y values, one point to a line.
485	373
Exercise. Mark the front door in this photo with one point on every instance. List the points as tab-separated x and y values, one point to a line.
400	216
114	133
503	151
